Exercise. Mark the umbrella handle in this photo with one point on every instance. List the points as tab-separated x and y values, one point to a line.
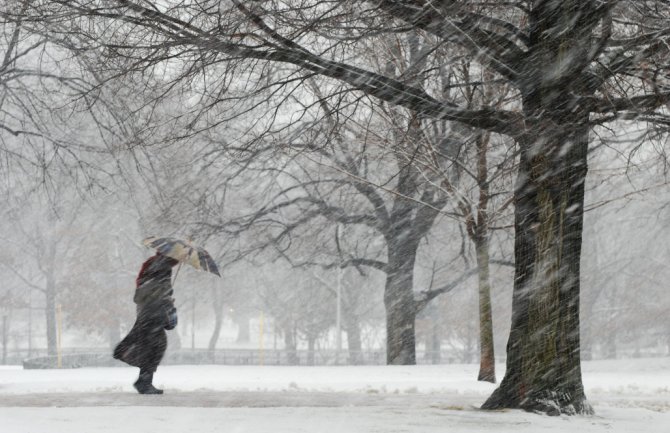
176	274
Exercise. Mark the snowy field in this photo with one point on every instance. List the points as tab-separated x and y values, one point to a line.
628	396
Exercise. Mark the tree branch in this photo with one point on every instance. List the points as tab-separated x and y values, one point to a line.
371	83
424	297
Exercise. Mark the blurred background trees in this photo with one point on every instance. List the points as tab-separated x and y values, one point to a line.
345	147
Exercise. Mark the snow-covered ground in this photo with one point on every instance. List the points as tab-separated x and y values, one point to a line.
628	396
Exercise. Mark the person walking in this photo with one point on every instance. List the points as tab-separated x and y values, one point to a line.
145	344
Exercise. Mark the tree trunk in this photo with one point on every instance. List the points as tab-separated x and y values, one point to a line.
543	359
50	311
290	346
543	351
50	295
437	348
610	345
400	306
243	333
218	320
354	344
216	332
435	343
487	362
311	343
5	339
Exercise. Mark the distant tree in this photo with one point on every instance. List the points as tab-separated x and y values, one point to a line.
358	306
48	244
301	308
480	188
101	272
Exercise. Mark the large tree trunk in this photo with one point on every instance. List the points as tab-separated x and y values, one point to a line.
543	351
400	305
487	362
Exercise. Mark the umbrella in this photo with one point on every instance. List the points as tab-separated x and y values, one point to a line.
184	251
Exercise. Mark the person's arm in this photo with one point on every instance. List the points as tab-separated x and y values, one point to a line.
143	270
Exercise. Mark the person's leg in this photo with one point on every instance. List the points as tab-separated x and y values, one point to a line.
153	342
144	384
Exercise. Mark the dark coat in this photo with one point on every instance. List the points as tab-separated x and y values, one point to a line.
145	344
154	282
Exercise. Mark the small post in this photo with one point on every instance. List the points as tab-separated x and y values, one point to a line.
192	319
58	336
4	339
338	317
261	354
30	323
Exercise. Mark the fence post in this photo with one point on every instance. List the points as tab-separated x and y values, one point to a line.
4	339
261	354
58	336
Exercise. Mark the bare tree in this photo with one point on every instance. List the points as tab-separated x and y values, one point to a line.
303	312
573	64
48	245
102	269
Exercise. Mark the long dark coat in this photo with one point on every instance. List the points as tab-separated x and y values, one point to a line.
145	344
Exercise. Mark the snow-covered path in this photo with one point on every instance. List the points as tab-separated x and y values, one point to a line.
136	419
628	396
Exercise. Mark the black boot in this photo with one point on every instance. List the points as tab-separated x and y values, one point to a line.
143	384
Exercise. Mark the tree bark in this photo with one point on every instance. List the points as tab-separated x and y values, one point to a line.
487	362
480	236
400	304
543	351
